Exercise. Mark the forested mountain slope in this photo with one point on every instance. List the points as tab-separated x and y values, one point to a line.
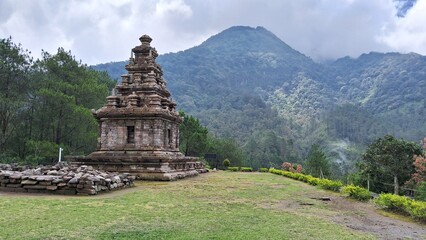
247	84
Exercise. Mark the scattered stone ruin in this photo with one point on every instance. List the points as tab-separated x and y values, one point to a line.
61	179
139	125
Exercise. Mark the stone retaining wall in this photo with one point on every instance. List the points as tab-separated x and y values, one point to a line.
57	179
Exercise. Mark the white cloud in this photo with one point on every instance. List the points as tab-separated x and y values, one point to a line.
165	8
408	34
101	31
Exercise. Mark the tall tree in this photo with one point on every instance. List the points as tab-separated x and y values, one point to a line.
193	136
15	66
60	115
226	148
387	159
317	163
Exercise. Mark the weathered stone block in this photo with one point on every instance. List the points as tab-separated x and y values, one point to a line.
29	182
57	180
45	183
34	186
52	172
51	188
15	176
10	185
74	180
67	178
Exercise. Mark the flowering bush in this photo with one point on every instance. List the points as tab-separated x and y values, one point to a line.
286	166
298	168
292	167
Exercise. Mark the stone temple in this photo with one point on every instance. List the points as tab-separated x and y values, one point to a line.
139	125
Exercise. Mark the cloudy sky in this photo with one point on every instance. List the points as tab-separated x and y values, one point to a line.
101	31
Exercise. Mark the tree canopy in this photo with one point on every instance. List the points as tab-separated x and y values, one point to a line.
47	103
388	162
316	163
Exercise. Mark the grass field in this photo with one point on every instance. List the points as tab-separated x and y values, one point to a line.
219	205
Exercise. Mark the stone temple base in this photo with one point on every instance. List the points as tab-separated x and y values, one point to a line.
144	165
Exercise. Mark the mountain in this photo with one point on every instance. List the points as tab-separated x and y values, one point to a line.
247	84
390	85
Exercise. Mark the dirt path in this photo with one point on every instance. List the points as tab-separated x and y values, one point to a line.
365	217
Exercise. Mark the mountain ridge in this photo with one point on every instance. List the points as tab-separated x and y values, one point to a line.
248	84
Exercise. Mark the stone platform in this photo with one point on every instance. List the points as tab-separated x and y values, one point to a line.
143	165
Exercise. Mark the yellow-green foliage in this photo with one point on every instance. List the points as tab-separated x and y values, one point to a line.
314	181
275	171
323	183
234	169
246	169
416	209
263	170
330	185
242	169
356	192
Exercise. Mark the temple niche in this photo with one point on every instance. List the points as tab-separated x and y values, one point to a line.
139	125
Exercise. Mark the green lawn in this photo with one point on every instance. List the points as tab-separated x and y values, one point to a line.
219	205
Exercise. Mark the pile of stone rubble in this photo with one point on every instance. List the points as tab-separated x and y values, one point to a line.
61	179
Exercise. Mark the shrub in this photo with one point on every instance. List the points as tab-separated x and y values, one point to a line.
302	177
323	183
226	162
263	170
392	202
298	168
286	166
275	171
233	169
246	169
287	174
292	167
330	185
314	181
402	204
356	192
417	209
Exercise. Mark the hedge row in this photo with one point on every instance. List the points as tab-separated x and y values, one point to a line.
234	169
242	169
402	204
388	201
323	183
356	192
